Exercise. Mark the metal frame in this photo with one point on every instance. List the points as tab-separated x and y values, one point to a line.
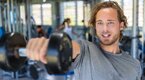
134	50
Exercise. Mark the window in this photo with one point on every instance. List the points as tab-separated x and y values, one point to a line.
140	14
128	10
80	13
70	12
36	13
22	13
46	16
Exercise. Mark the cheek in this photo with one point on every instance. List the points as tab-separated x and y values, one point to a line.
98	30
116	31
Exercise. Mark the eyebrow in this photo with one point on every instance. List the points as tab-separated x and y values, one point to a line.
98	20
107	20
111	20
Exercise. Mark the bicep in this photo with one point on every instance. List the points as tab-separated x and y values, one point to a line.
76	49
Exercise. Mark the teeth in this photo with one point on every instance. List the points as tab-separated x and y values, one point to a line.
106	35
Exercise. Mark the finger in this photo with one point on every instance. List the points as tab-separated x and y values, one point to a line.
43	51
28	47
38	46
34	52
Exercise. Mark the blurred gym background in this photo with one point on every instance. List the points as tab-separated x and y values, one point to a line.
24	16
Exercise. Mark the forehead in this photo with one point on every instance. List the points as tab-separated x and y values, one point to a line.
107	13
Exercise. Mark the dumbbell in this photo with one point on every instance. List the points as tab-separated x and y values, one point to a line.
59	53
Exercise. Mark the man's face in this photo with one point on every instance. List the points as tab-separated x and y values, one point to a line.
108	26
39	29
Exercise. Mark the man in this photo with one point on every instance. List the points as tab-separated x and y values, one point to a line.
40	31
103	60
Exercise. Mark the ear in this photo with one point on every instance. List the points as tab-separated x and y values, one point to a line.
121	26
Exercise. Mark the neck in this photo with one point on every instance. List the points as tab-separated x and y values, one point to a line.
114	48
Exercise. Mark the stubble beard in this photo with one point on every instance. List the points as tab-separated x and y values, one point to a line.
108	42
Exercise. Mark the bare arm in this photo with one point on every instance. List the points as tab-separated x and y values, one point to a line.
76	49
37	48
60	28
75	33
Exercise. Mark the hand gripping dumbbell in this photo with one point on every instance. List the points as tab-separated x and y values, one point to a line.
59	53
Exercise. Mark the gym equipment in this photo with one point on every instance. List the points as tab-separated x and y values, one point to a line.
59	54
35	71
9	57
2	32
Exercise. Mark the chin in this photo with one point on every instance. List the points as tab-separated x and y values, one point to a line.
107	42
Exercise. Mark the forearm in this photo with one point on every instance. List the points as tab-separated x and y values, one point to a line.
76	49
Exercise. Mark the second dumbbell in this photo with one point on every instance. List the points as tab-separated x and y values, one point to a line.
59	54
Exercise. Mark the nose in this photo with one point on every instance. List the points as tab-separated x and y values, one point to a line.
105	28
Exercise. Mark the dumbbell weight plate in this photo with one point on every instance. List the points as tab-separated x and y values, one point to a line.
12	61
60	53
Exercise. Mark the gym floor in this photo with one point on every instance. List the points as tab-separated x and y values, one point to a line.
8	76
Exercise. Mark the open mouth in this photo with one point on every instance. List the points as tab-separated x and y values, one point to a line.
106	35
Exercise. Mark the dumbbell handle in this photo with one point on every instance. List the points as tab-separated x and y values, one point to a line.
22	52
